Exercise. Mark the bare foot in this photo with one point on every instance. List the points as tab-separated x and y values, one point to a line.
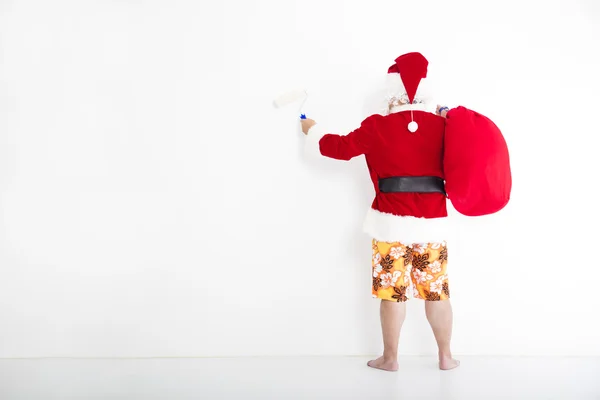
382	363
448	363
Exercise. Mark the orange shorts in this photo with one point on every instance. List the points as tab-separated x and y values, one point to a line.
400	269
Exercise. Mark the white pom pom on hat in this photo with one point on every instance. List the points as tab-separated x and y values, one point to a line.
411	68
413	126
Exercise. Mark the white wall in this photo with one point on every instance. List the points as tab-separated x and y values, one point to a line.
154	203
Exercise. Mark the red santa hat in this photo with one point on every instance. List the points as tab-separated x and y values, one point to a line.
403	81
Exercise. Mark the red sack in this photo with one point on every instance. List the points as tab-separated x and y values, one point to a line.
476	163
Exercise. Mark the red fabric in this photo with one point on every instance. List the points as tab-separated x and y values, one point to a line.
476	163
412	67
391	150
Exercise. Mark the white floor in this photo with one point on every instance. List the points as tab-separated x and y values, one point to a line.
297	378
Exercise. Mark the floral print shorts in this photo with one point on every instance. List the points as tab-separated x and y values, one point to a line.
400	269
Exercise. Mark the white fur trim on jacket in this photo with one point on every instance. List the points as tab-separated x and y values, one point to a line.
392	228
314	136
408	107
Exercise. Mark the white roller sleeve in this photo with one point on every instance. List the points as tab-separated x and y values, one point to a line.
290	97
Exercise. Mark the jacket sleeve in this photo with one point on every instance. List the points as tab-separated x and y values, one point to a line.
354	144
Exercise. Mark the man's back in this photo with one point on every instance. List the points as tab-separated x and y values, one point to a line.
395	151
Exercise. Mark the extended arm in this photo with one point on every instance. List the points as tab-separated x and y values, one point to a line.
339	147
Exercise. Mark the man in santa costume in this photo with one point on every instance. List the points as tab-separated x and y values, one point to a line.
407	219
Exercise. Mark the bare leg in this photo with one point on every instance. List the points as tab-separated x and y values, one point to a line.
439	315
392	316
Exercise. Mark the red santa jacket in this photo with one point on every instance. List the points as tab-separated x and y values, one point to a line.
390	149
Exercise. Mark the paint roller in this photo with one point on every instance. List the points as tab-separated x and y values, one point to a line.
292	97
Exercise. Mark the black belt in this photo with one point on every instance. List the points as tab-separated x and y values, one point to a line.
412	184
